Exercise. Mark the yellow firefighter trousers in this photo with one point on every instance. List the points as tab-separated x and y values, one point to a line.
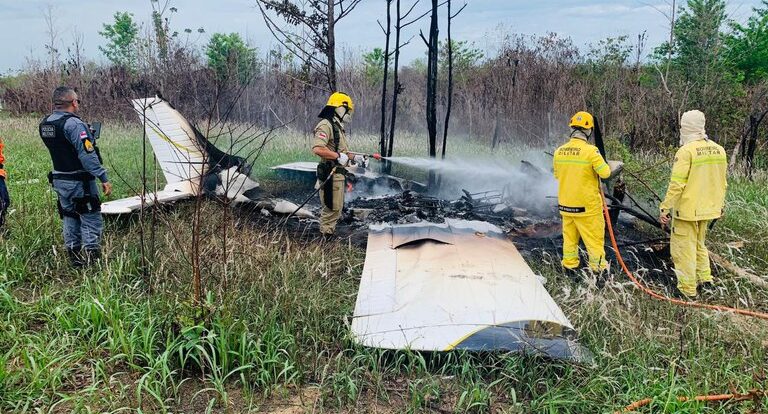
329	216
690	255
591	229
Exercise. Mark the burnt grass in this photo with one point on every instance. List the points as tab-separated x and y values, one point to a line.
536	232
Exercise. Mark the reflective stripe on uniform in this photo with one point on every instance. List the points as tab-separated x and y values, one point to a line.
679	178
579	162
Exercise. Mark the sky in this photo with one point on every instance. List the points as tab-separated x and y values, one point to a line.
25	31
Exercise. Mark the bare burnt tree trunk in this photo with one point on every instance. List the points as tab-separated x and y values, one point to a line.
450	84
331	52
396	88
383	133
432	80
502	94
754	125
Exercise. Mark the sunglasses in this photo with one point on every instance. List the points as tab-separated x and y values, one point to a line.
79	101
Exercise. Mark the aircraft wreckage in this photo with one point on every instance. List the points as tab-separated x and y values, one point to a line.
438	275
191	164
456	285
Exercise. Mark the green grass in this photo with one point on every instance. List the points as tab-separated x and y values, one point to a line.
272	331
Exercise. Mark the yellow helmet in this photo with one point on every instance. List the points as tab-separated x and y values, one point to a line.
338	99
583	120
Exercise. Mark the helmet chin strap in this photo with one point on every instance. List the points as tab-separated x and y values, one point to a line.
341	116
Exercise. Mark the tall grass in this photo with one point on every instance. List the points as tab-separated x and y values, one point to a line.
107	340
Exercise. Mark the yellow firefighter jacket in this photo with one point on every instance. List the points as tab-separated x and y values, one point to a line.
698	182
577	166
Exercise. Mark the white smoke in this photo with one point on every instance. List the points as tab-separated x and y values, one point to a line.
521	186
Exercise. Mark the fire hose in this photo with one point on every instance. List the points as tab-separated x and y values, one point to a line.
655	295
761	315
704	398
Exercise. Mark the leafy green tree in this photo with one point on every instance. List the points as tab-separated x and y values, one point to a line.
748	46
698	41
373	65
465	55
229	56
122	40
698	61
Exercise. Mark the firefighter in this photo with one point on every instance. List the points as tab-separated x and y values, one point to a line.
5	200
695	197
76	167
330	144
577	166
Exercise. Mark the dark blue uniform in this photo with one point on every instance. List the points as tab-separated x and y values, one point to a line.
77	166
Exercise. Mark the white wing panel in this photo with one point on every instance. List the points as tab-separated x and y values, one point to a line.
181	157
476	293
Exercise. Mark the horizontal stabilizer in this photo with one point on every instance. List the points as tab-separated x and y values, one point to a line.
131	204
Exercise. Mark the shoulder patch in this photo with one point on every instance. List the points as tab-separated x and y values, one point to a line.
87	144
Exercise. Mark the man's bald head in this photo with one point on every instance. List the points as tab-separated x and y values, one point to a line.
64	97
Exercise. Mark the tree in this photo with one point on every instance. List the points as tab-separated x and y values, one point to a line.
122	38
161	25
466	60
465	54
229	57
374	65
748	46
747	55
432	64
315	23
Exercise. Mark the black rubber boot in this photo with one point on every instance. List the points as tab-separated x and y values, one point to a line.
91	256
76	258
706	288
573	274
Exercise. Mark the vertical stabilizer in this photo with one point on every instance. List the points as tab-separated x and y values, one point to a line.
181	157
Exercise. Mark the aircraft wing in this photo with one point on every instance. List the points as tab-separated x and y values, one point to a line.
131	204
457	285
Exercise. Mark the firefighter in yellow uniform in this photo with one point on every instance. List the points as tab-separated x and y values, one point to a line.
695	197
330	144
577	166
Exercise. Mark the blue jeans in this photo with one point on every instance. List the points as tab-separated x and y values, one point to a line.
85	229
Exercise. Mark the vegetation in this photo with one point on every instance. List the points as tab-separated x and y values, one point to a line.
268	329
122	41
111	340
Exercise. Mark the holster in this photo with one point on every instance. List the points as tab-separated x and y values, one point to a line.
88	203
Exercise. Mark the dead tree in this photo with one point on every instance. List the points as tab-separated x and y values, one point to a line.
432	49
387	33
315	22
747	144
502	93
397	88
450	77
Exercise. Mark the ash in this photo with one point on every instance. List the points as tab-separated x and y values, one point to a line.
412	207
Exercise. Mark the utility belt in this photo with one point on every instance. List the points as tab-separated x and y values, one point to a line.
88	203
324	169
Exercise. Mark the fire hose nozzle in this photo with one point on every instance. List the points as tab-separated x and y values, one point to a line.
376	156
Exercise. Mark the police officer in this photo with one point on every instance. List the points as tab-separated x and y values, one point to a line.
578	166
330	144
695	197
76	167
